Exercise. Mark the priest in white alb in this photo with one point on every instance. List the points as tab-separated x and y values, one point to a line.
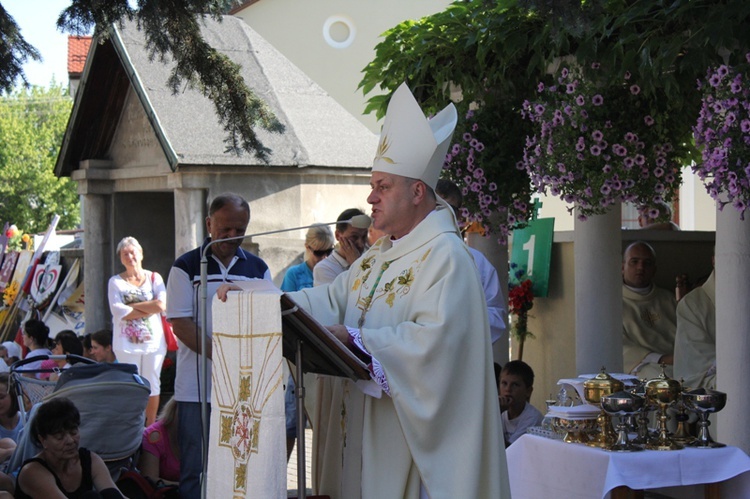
413	309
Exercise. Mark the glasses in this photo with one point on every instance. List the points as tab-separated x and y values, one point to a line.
322	253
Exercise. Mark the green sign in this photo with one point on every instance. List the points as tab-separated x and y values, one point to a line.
531	254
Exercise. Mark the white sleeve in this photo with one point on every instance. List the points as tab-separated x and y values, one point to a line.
179	294
158	288
493	294
116	305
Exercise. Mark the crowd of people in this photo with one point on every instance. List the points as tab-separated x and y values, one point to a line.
391	290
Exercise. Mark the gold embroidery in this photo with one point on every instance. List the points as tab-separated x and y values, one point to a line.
226	429
366	263
383	147
245	387
390	299
650	317
400	285
356	284
240	472
406	278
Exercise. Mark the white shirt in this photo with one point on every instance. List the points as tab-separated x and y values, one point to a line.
492	293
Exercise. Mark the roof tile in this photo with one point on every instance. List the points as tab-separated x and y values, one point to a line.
78	48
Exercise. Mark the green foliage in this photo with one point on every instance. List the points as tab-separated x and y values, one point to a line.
172	30
32	124
496	52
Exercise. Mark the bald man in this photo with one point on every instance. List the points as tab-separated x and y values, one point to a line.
648	315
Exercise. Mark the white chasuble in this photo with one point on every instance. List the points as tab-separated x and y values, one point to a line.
422	314
247	453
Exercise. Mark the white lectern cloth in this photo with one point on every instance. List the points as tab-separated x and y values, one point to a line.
247	453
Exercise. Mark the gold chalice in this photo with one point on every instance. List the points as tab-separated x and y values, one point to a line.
593	391
622	404
704	401
663	391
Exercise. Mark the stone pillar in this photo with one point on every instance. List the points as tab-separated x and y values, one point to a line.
733	326
190	219
98	261
598	293
497	254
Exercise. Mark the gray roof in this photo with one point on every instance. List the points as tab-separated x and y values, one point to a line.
319	131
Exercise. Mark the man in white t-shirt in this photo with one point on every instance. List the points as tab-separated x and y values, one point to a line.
228	216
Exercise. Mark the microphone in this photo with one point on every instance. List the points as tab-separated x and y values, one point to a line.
357	221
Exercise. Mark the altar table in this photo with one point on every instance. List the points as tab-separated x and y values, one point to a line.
541	468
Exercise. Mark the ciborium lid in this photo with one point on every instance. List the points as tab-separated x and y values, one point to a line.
601	384
663	389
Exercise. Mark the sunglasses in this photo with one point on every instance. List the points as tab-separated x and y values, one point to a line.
322	253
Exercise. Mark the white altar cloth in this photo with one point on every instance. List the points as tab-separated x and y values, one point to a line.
540	467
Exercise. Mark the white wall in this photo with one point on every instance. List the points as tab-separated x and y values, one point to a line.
333	40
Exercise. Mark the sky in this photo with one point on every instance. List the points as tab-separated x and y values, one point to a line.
36	19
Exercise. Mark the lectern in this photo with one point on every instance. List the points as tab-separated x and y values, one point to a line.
313	349
253	331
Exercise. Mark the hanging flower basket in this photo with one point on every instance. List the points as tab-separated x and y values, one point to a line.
482	162
595	145
723	134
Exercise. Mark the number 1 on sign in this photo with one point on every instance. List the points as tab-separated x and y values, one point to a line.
529	246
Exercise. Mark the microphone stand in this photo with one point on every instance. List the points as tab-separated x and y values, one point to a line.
359	221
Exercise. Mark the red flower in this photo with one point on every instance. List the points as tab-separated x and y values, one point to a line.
521	297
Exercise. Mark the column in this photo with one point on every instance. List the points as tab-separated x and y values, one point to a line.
97	262
732	266
190	219
598	293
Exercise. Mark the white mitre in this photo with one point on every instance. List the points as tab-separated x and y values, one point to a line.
411	145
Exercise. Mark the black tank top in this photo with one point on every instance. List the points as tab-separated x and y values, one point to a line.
87	483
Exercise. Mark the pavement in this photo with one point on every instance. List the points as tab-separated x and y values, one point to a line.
291	469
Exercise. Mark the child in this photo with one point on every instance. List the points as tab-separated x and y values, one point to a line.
516	385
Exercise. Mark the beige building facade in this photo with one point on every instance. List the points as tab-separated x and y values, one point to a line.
333	40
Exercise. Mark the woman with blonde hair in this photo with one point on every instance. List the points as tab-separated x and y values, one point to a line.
137	297
160	456
318	245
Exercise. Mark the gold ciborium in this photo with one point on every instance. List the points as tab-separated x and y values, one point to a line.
705	401
593	391
622	404
663	391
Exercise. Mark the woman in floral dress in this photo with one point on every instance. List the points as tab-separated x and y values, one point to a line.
137	297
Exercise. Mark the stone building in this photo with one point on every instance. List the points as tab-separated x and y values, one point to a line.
147	161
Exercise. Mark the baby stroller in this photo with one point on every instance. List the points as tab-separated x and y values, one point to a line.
111	398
